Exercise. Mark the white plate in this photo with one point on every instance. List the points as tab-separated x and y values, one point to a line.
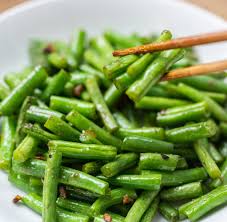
57	18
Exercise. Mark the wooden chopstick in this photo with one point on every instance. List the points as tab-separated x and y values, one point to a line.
196	70
175	43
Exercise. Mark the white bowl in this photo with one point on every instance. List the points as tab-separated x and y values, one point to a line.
57	18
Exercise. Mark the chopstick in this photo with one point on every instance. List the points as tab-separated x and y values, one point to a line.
175	43
200	69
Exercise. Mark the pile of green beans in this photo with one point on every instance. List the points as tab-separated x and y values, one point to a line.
89	137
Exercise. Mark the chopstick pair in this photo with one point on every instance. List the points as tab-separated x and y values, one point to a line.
182	43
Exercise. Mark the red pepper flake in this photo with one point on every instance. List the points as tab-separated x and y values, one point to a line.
16	199
40	157
127	199
78	90
107	217
48	49
62	192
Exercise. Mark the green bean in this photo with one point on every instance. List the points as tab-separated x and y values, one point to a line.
136	68
119	66
88	137
84	151
62	129
186	191
202	205
182	163
195	95
82	195
34	202
116	196
95	60
85	96
179	177
50	185
82	123
40	115
26	149
122	121
149	161
206	83
120	209
112	95
217	97
123	82
29	100
12	102
168	212
121	41
55	86
34	181
4	91
36	131
21	181
57	60
67	176
150	213
191	132
144	182
99	74
7	142
159	103
66	105
153	73
140	206
169	118
98	100
223	149
92	168
11	80
143	144
214	153
223	180
149	132
103	47
74	206
78	43
121	162
223	128
200	147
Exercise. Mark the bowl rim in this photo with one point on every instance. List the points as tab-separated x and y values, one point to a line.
28	5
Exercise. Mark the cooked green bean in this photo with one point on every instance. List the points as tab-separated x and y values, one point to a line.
62	129
120	163
122	121
34	202
82	123
150	161
214	153
195	95
159	103
149	132
179	177
7	142
67	176
112	95
108	217
116	196
40	115
168	212
98	100
92	168
94	59
200	147
50	185
150	213
26	149
13	101
153	73
144	144
182	163
202	205
192	132
4	91
88	137
140	206
186	191
84	151
66	105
